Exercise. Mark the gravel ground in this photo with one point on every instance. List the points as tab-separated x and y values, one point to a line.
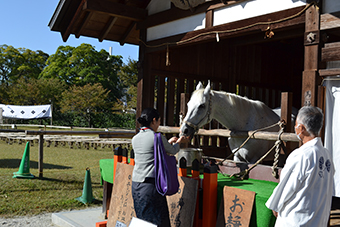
34	221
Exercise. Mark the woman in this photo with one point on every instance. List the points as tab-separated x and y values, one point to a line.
149	204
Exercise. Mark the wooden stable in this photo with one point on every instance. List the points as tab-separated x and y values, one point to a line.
274	51
257	49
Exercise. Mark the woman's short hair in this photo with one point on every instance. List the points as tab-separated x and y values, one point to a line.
312	118
147	116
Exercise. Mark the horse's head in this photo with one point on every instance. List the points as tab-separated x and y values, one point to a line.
199	108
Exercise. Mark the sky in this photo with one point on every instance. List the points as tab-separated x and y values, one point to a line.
24	24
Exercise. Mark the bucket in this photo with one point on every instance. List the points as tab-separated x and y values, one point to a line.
190	154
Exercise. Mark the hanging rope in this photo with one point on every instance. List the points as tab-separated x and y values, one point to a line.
278	144
249	137
268	23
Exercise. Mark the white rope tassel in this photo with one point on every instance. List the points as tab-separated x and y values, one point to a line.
217	37
167	63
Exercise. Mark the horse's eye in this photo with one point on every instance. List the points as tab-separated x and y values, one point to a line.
202	106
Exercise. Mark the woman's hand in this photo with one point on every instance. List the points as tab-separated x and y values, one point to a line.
178	140
173	140
182	139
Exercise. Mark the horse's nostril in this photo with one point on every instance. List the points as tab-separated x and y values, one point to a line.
185	131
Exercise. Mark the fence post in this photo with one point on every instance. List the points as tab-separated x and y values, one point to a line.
209	196
1	120
125	156
132	157
182	167
41	155
195	173
117	158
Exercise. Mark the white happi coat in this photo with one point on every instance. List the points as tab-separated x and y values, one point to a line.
304	195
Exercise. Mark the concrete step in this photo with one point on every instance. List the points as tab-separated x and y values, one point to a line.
78	218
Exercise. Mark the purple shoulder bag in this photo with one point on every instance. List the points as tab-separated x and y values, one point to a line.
165	169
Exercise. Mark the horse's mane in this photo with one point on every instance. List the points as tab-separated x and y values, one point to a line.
237	100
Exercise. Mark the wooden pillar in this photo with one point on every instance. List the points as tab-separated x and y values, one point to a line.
322	105
286	109
310	76
145	90
170	100
286	115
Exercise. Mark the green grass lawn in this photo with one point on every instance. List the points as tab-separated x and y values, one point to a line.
64	174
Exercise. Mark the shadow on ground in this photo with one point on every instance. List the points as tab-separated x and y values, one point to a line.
15	163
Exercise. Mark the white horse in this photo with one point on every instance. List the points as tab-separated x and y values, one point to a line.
233	112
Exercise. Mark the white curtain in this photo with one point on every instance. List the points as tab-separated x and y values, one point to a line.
26	112
332	127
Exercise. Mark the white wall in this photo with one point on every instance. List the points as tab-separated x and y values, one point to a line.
176	27
235	12
253	8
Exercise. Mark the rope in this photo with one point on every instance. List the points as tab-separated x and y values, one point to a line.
231	30
249	137
277	145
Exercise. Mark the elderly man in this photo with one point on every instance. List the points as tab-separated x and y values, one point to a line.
304	195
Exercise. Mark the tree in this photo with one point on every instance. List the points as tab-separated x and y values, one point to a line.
128	76
35	91
20	63
85	100
84	65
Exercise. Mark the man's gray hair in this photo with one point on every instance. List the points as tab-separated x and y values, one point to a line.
312	118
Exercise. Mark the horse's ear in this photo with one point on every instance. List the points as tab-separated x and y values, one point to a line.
199	86
207	89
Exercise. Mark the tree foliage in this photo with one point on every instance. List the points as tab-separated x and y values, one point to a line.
83	84
20	63
84	65
35	91
128	76
84	100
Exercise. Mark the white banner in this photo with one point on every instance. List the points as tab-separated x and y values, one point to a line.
26	112
332	125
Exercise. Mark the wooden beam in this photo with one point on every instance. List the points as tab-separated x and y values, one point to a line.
116	9
331	52
127	33
209	19
330	21
261	135
107	28
125	132
329	72
69	28
282	30
85	21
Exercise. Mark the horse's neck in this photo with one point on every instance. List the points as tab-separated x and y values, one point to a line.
235	112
